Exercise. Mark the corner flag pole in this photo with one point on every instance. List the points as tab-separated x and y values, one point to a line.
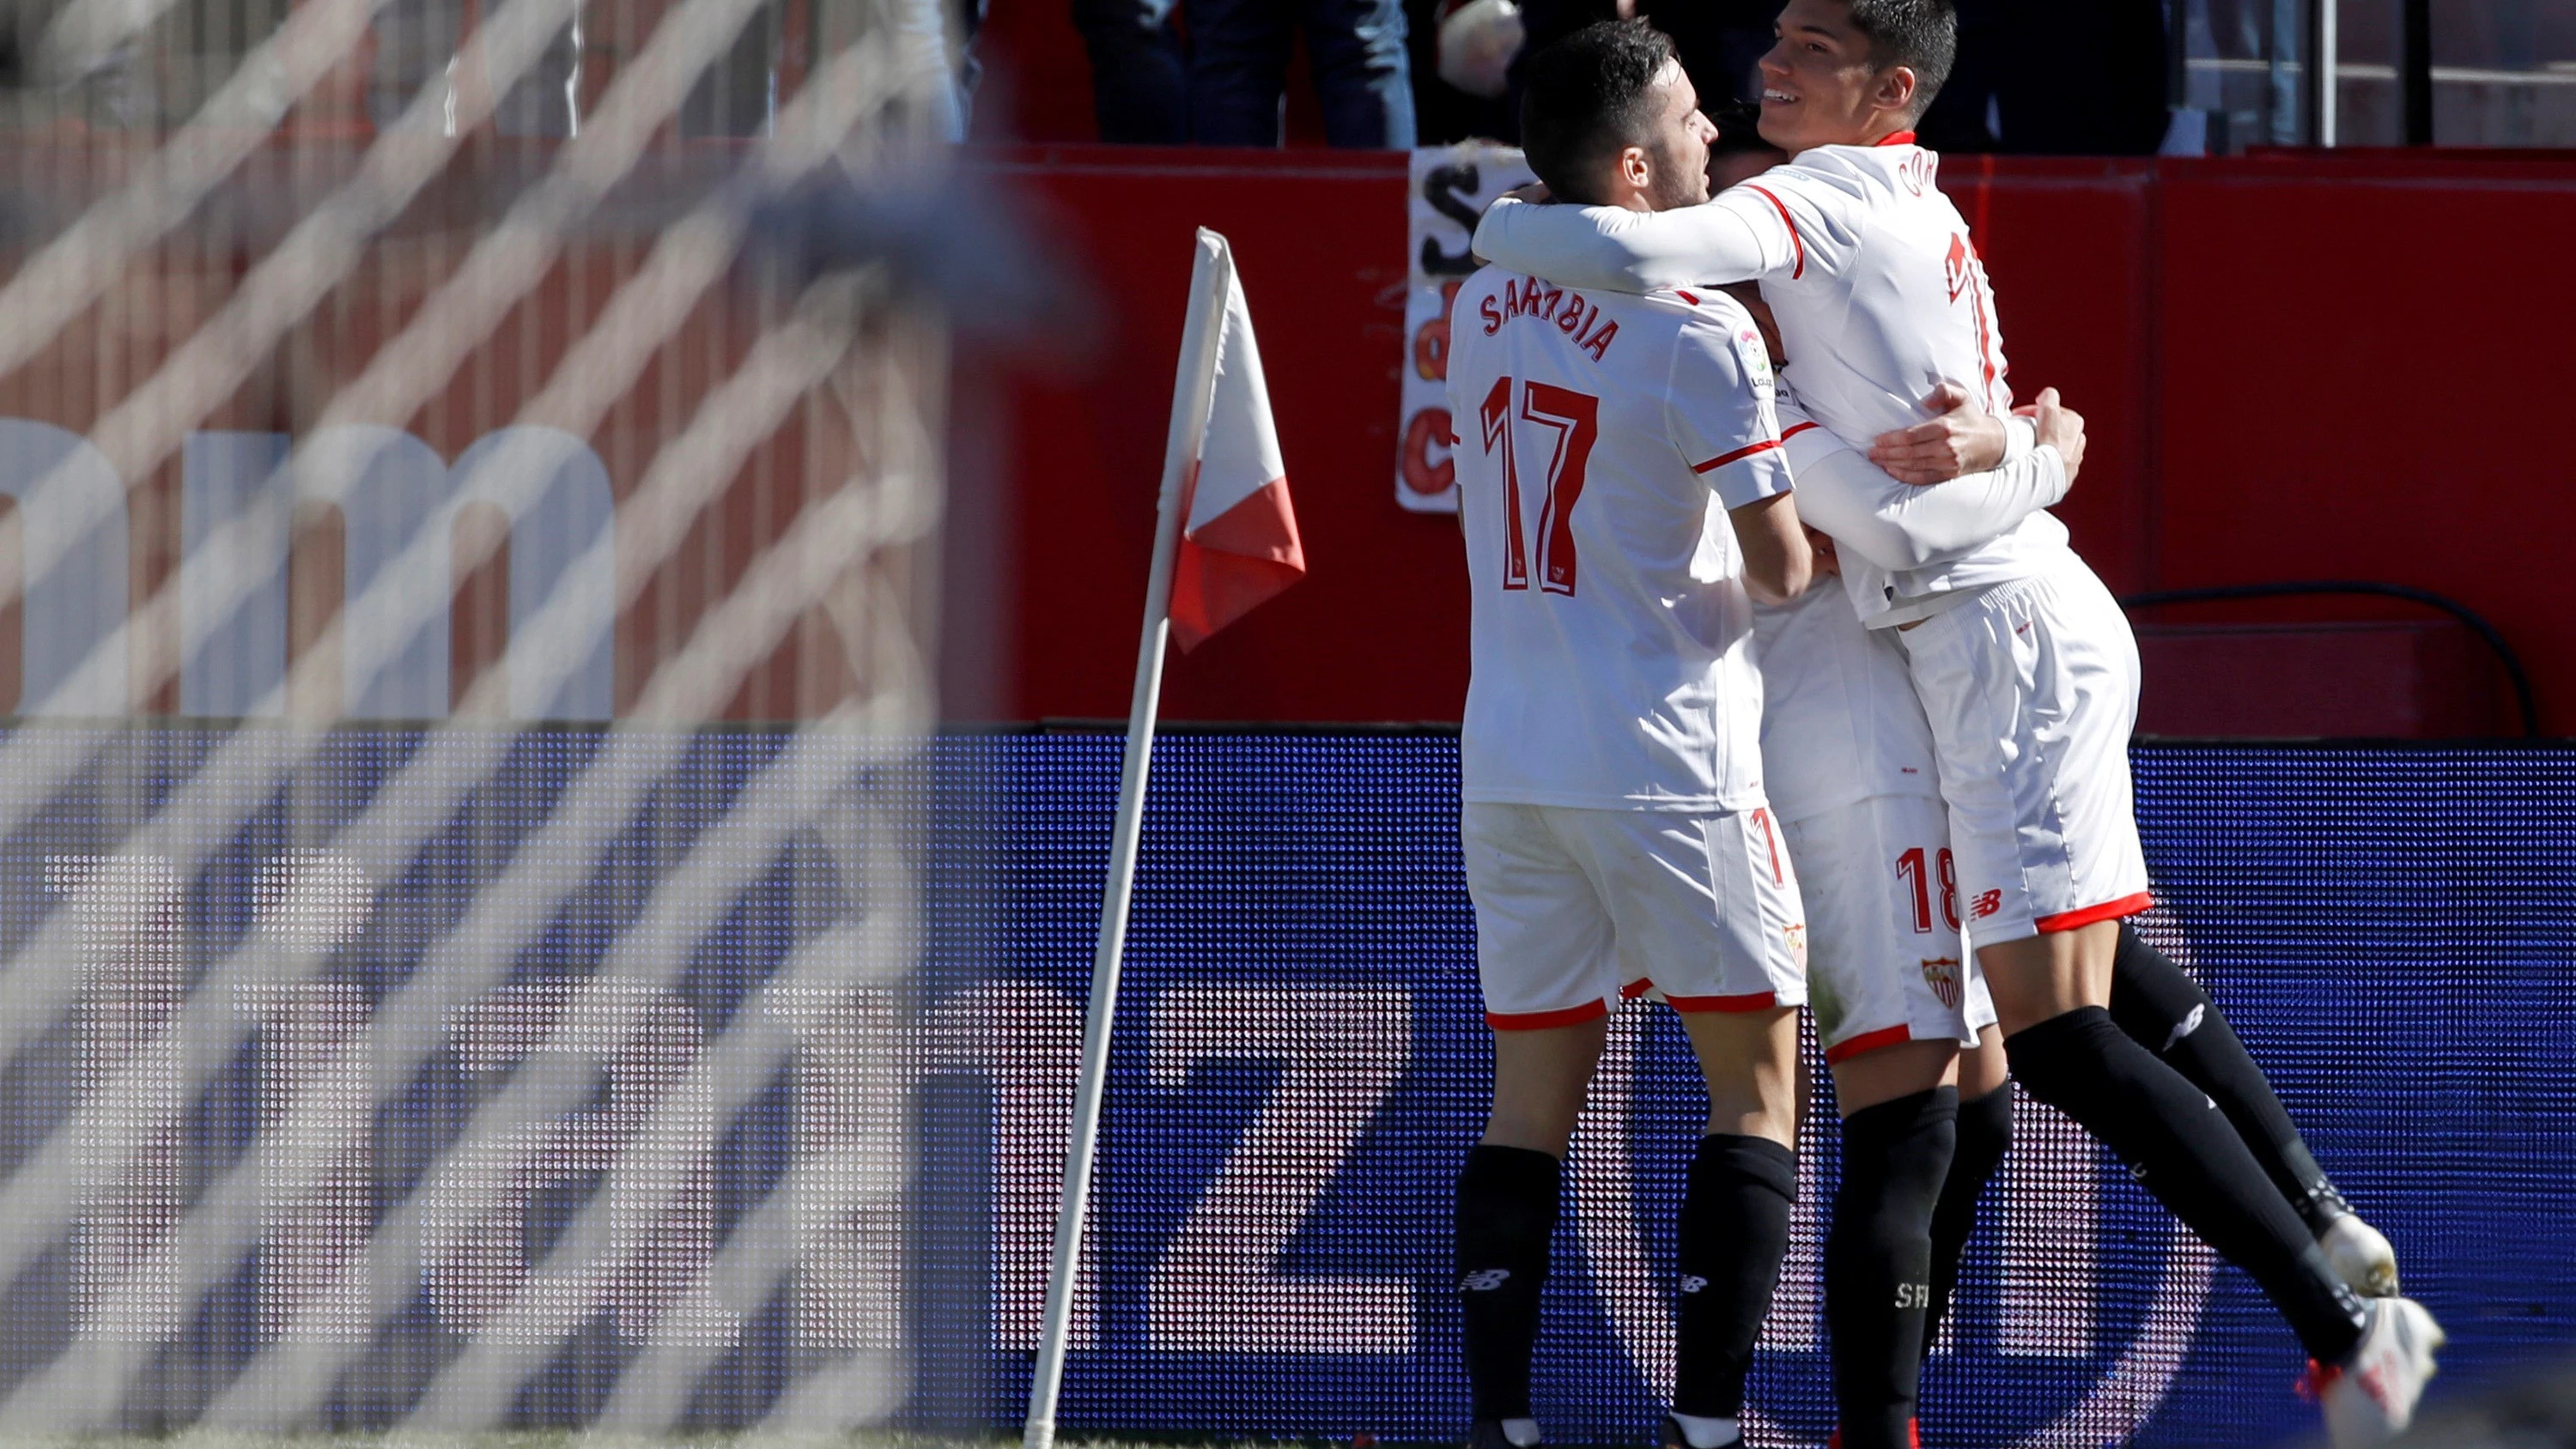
1209	275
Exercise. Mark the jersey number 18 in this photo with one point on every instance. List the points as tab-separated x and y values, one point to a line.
1575	417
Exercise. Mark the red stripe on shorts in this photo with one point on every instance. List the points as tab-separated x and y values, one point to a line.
1636	988
1758	1001
1540	1020
1868	1041
2107	911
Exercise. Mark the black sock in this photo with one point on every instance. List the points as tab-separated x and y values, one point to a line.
1734	1232
2183	1150
1506	1211
1878	1261
1985	1135
2162	1009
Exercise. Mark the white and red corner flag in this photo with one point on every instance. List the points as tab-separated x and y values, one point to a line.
1225	540
1239	535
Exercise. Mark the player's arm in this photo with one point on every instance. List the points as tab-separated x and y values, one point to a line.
1778	564
1739	237
1899	526
1718	414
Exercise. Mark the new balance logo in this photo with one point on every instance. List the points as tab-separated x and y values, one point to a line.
2184	1028
1692	1282
1484	1280
1988	904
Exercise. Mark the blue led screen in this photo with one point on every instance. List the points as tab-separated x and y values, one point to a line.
2389	928
1299	1066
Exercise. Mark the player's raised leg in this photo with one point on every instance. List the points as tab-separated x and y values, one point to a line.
2031	690
2163	1009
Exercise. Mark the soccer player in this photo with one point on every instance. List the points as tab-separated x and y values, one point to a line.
1622	497
2022	660
1848	759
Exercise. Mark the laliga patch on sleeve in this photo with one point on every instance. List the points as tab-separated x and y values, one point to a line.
1753	356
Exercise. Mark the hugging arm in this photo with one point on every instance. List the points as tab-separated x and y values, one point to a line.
1898	526
1612	250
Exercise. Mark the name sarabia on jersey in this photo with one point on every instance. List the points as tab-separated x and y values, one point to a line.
1576	318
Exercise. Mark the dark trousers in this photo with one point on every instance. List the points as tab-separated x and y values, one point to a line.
1228	89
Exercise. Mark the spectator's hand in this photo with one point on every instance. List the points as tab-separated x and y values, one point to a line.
2059	426
1963	438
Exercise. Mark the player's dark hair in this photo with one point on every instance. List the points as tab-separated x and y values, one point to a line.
1739	129
1921	35
1585	97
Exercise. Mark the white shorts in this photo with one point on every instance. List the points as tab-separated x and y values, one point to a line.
2032	691
1886	962
1577	908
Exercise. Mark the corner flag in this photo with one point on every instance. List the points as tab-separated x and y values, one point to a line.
1225	539
1239	543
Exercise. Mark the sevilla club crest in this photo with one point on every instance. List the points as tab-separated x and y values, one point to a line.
1941	973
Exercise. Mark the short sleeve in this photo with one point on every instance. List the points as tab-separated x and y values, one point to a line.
1718	409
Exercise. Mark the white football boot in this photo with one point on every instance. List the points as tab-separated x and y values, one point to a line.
2360	1256
2369	1399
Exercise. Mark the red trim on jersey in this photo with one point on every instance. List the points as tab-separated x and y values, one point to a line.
1786	220
1541	1020
1868	1041
1722	459
1795	429
2088	915
1756	1001
1895	138
1685	296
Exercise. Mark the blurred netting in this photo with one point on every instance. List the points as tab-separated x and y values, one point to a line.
431	433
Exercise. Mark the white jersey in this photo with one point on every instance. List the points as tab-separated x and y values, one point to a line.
1871	275
1898	542
1600	441
1840	722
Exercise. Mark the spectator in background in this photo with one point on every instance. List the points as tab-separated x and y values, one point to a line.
2041	77
1718	40
1228	85
2033	76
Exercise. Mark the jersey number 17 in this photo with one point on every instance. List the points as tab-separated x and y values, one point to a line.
1575	418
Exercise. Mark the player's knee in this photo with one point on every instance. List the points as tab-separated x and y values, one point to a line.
2059	1059
1895	1156
1985	1127
1735	1180
2153	998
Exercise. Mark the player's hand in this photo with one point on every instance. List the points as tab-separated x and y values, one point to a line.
2058	425
1963	438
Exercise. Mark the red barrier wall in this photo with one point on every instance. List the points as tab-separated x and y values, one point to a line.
2273	354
